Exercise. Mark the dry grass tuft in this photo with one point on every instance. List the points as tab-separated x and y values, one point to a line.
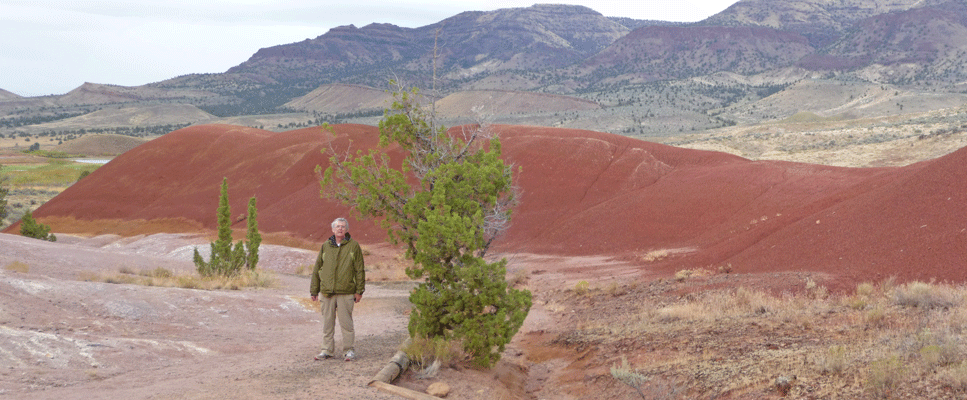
582	288
927	295
955	377
17	266
692	273
655	255
834	360
304	270
425	352
885	375
518	279
690	311
165	278
629	376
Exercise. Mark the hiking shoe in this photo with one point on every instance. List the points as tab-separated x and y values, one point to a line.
323	356
350	355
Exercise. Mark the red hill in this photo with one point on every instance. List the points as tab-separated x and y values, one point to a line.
584	193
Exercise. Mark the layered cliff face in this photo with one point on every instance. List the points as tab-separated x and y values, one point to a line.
584	193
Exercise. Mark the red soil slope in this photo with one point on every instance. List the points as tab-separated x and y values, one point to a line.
584	193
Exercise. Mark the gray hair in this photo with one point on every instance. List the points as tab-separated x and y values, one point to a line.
333	224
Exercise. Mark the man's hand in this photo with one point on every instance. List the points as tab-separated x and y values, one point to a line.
358	297
315	298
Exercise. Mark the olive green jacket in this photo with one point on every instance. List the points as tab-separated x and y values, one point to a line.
339	269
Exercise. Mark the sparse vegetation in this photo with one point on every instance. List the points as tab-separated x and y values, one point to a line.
165	278
629	376
721	340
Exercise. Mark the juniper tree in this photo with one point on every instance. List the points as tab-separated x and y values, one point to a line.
462	200
29	227
253	238
222	247
226	259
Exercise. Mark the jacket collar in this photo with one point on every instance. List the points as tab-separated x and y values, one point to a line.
332	239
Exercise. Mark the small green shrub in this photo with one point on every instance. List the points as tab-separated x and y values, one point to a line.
938	348
885	375
29	227
629	376
927	296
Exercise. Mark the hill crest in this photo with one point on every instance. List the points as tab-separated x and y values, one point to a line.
585	193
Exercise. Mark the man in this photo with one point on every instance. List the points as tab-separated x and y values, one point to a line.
340	276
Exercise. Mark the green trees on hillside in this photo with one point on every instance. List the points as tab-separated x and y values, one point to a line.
3	195
462	201
29	227
228	259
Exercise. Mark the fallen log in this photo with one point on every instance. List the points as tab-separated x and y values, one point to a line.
399	363
401	391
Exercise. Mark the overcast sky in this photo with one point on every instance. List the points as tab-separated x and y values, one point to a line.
54	46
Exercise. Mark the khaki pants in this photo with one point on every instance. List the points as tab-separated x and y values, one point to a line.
337	306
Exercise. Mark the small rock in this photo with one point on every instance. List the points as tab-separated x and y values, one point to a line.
784	384
438	389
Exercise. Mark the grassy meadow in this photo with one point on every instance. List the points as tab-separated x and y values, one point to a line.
33	184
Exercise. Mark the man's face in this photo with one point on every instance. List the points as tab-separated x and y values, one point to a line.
339	229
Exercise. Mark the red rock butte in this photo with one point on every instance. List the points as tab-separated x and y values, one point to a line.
583	193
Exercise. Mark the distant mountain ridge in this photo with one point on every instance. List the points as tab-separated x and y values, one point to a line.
754	35
534	38
822	21
646	77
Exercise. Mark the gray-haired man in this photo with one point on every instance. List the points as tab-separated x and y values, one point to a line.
340	276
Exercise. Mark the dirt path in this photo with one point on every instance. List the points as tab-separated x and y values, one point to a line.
65	338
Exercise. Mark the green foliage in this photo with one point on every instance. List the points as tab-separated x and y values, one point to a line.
35	150
55	172
227	259
462	201
254	239
222	249
29	227
3	195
